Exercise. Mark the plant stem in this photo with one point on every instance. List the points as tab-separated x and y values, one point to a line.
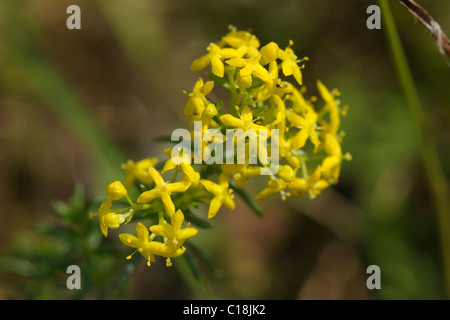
437	181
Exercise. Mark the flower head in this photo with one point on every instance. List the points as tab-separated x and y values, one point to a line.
313	184
138	170
116	190
222	194
141	243
162	190
290	63
173	234
197	100
214	57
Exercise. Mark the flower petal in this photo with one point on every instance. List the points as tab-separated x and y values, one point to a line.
148	196
201	63
229	120
156	176
168	204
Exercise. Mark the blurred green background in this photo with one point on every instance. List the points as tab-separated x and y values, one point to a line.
75	104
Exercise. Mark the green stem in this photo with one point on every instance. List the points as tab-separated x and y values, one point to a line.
175	174
234	93
123	210
137	207
437	181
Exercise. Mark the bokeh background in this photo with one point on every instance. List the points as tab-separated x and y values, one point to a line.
75	104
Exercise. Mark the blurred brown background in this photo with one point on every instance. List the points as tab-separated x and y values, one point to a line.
75	103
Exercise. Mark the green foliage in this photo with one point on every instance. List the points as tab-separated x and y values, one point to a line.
37	262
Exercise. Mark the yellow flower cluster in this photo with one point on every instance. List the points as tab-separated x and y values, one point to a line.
309	145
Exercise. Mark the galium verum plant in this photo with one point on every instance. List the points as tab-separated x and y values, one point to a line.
266	93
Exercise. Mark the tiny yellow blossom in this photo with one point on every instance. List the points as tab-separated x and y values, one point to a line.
174	236
274	187
222	194
113	220
290	63
251	66
138	171
332	107
331	165
102	212
116	190
197	100
275	87
215	57
162	190
244	41
269	53
241	172
307	126
314	184
141	243
286	173
244	122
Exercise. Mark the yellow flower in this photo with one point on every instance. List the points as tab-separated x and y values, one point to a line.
274	187
222	194
314	184
280	113
285	147
244	41
173	235
251	66
290	63
138	171
189	174
332	107
307	125
245	120
113	220
102	212
269	53
162	190
331	165
116	190
197	100
214	57
299	104
106	218
275	87
141	243
241	172
287	173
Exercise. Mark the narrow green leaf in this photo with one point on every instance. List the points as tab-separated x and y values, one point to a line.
196	220
205	256
194	266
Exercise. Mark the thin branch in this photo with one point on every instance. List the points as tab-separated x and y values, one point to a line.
428	22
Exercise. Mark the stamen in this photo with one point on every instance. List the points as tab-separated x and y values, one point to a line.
237	109
129	257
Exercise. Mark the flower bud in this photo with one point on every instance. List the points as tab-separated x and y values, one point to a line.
116	190
269	53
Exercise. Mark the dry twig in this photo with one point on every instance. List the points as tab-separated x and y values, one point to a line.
428	22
